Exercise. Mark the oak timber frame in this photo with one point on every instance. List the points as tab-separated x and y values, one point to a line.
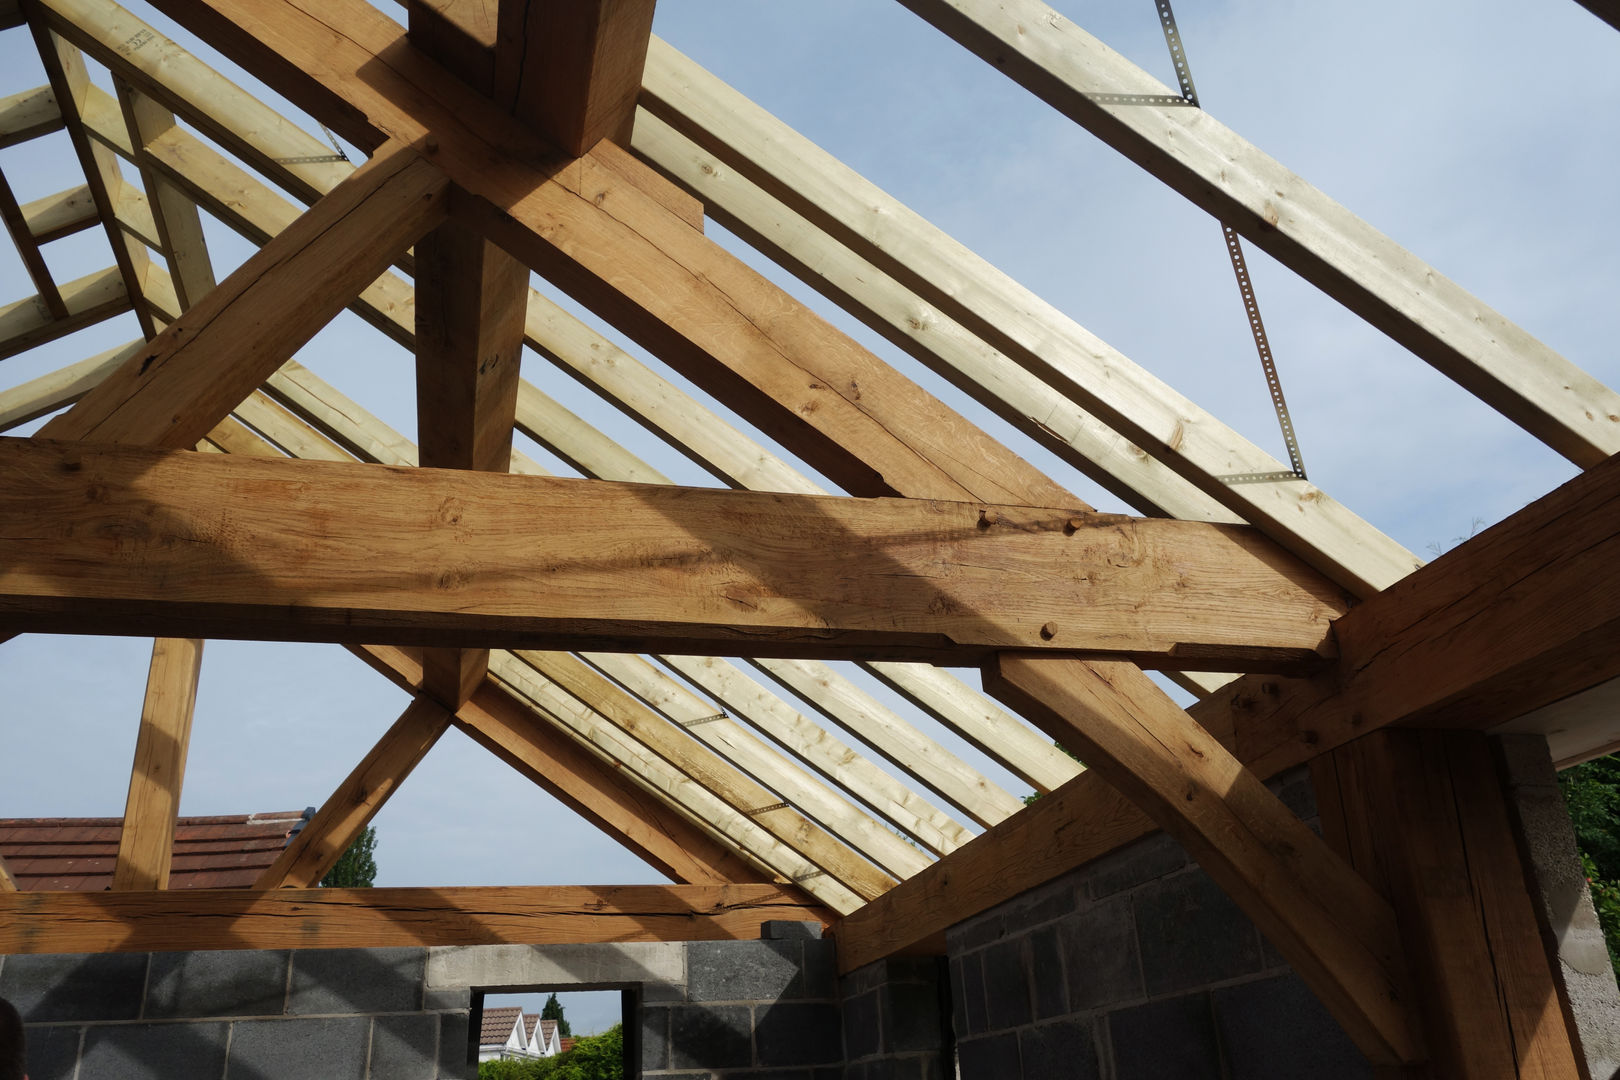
490	173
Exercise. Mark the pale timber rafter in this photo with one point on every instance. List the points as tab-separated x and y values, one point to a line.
1281	213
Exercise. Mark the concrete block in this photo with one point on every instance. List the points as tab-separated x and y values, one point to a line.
1276	1029
977	1018
743	970
797	1033
976	932
710	1037
923	969
443	999
455	1048
863	1026
786	930
991	1057
306	1048
1135	864
405	1047
654	1038
1065	1049
154	1051
1191	934
75	986
53	1051
584	967
356	981
820	970
1006	984
217	984
1173	1037
911	1017
1526	761
1040	905
1046	973
958	1000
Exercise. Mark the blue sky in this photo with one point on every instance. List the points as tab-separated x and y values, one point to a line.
1482	136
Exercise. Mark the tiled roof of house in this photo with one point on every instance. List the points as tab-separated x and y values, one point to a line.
548	1028
529	1020
565	1044
77	854
497	1025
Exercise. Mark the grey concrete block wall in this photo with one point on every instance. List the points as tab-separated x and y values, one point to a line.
896	1020
1137	967
351	1014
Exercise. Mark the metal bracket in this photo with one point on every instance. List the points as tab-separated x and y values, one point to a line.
1240	267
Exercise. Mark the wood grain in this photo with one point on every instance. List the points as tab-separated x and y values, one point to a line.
202	919
146	844
327	551
310	855
219	351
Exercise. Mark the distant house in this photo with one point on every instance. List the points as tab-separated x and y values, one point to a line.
509	1032
501	1034
78	854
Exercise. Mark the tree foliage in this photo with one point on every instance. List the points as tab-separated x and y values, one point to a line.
356	868
1592	793
594	1057
553	1010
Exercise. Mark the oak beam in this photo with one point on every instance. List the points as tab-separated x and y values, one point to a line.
582	223
8	881
1330	925
1424	815
572	68
528	561
1301	227
201	919
632	812
1448	645
470	298
1517	620
222	348
310	855
146	844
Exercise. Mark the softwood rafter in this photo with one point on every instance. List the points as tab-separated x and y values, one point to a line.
1278	211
